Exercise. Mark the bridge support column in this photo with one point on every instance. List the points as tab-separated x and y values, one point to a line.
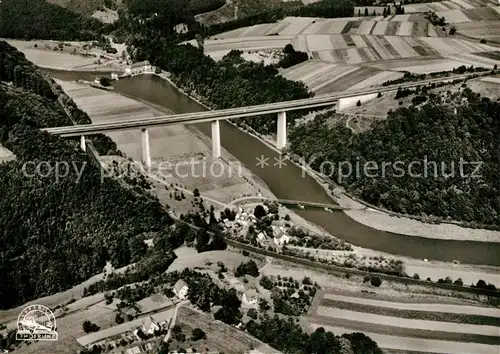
83	143
146	153
281	138
215	139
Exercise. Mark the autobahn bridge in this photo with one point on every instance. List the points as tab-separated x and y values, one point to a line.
338	99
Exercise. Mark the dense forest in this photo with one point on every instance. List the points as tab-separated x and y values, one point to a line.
37	19
432	133
56	232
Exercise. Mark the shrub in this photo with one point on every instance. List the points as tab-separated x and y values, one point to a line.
198	334
89	327
376	281
119	319
252	313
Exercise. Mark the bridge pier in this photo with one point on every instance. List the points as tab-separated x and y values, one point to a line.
281	135
215	139
146	152
83	143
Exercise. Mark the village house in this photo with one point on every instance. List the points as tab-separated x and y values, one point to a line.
142	67
181	289
250	297
280	237
150	326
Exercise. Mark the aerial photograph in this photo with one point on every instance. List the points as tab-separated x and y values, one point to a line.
250	176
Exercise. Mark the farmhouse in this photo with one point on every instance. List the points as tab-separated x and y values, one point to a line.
142	67
181	289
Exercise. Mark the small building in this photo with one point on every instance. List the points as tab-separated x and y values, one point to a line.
181	289
279	235
114	76
150	326
250	297
142	67
281	240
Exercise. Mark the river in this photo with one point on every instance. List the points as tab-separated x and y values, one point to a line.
289	182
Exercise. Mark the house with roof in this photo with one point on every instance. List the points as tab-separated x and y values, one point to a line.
250	297
279	236
142	67
181	289
150	326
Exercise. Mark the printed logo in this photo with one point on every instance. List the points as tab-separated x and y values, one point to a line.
36	322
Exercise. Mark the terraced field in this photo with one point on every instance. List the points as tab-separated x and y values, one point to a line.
407	326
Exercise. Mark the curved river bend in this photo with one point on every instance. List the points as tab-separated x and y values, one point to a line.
288	182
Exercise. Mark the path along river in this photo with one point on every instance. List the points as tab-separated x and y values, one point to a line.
289	182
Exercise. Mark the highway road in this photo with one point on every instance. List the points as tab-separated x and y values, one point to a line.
234	113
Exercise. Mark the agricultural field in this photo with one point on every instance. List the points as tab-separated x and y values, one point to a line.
322	77
488	30
448	5
416	325
398	25
470	15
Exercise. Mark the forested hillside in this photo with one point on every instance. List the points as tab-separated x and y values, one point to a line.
57	232
37	19
433	132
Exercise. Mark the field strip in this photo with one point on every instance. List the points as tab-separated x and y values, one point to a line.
401	18
380	28
359	41
410	314
463	3
345	71
460	309
315	28
358	326
402	47
297	26
377	79
495	80
326	56
335	313
454	16
431	31
419	345
476	60
365	27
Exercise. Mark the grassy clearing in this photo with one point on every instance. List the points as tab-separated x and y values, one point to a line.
417	315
